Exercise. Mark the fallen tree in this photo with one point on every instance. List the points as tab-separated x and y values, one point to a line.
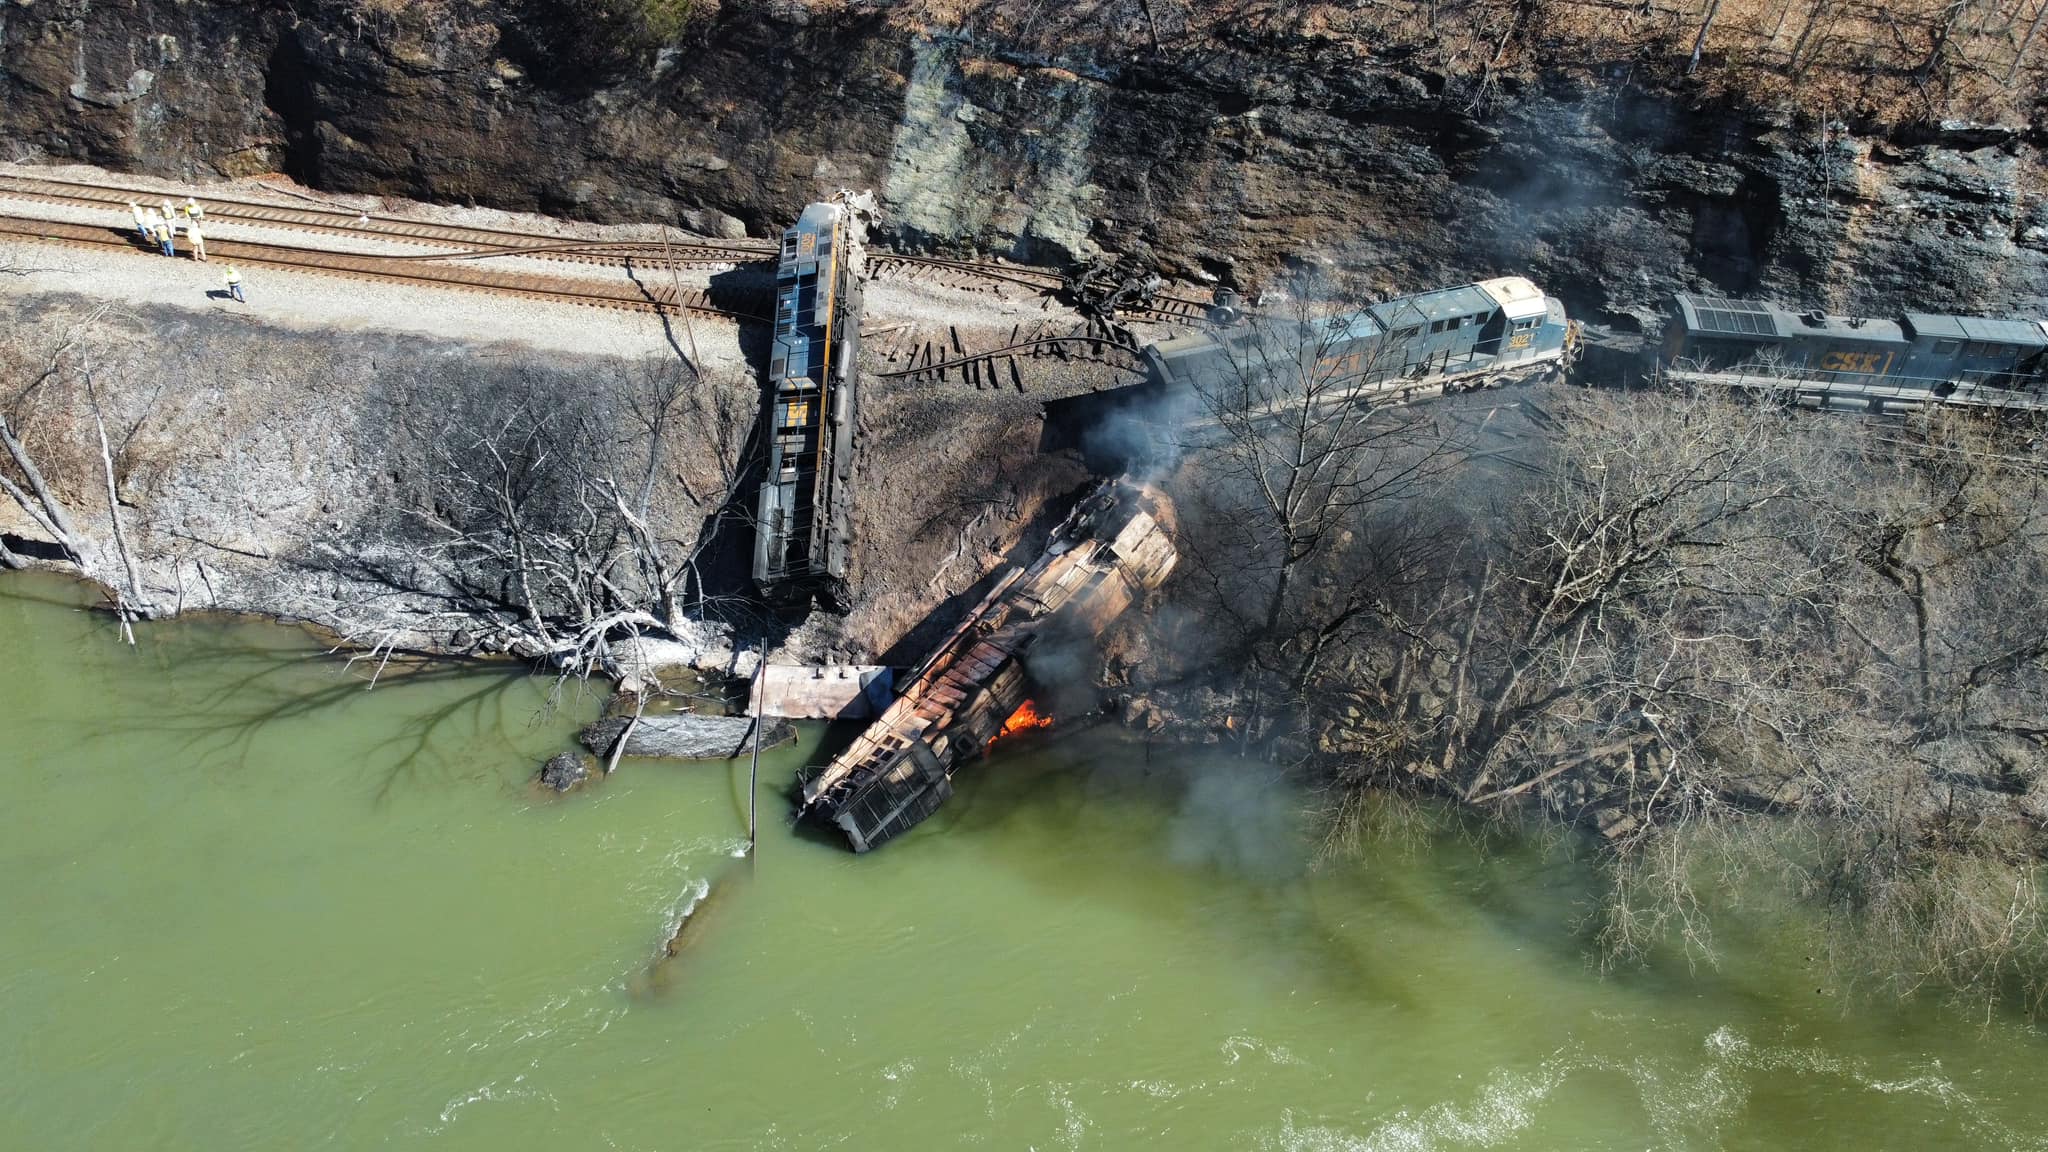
546	524
67	364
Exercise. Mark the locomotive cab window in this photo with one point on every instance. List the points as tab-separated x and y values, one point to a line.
1408	333
1946	347
1438	326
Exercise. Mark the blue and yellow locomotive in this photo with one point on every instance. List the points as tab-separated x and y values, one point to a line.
1935	353
804	527
1497	331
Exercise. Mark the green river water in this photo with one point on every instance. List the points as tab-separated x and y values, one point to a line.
245	904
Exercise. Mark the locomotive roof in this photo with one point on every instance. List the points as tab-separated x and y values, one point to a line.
1352	326
818	218
1517	297
1464	300
1977	328
1723	316
1847	328
1719	315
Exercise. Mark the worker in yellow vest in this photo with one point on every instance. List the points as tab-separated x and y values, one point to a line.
233	279
198	241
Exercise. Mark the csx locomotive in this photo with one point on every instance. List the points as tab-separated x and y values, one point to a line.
804	529
1493	332
1962	356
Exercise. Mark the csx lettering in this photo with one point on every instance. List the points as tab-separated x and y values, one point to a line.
1838	361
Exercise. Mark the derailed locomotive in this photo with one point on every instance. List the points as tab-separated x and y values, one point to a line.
804	515
1493	332
1920	355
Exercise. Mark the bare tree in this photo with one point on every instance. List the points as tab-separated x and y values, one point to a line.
68	365
1294	447
543	522
1748	643
1699	44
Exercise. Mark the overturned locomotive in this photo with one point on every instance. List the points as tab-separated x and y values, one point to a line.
1494	332
1919	357
804	515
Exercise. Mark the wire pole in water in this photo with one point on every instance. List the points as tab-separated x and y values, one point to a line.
754	770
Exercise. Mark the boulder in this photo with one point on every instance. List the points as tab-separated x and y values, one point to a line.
686	736
564	772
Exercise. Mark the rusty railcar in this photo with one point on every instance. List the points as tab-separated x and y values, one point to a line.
898	771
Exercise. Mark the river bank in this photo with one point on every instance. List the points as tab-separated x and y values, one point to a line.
331	475
1138	951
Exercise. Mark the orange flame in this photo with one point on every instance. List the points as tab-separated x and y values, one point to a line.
1026	718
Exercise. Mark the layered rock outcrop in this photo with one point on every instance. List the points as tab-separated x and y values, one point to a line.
1222	162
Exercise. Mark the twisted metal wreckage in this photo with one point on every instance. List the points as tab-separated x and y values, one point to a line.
1107	552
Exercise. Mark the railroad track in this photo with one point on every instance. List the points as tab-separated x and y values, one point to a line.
397	269
949	358
469	242
963	273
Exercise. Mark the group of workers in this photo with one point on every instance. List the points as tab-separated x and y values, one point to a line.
161	229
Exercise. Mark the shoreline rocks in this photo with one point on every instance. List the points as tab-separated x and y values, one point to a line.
564	772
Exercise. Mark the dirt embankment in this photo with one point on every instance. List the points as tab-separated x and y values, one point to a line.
1570	151
329	476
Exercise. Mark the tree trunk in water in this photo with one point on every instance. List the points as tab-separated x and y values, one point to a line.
131	602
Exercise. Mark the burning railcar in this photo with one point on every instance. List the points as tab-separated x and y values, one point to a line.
1110	549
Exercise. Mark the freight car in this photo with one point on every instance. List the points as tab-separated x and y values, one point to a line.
1494	332
804	525
1917	358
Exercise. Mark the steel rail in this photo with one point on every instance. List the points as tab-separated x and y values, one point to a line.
554	289
481	240
472	242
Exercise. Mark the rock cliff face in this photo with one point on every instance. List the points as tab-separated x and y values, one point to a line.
1222	163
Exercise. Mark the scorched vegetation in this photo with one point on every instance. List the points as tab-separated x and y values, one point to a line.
1716	634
